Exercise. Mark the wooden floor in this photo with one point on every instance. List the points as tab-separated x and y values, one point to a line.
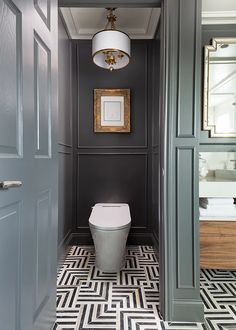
218	244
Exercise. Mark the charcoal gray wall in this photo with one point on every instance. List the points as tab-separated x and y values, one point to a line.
64	138
207	143
115	167
155	182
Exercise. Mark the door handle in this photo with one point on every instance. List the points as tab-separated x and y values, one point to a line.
10	184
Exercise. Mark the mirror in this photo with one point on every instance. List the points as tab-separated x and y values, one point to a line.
219	104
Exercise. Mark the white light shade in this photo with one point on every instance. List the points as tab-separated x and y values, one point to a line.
111	40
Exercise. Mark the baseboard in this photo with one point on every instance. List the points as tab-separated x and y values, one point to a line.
187	311
81	239
63	247
155	243
133	239
140	239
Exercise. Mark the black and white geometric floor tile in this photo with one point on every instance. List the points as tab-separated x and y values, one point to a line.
88	299
218	292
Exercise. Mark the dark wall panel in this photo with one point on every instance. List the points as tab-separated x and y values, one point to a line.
110	178
65	144
65	195
116	167
155	182
64	87
155	194
155	88
134	76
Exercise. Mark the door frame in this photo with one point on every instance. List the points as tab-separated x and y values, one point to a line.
179	297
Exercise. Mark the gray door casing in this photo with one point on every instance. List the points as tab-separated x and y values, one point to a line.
180	104
28	152
180	114
28	131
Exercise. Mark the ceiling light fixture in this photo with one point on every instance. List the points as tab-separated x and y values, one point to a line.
111	47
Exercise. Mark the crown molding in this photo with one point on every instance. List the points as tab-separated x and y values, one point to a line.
75	32
69	21
218	17
109	3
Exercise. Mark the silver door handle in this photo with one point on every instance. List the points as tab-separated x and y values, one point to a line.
10	184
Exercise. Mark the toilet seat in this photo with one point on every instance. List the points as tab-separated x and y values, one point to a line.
110	216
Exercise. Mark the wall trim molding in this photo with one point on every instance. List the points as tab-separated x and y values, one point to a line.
145	146
105	3
64	149
63	246
104	154
64	144
155	240
218	17
133	239
119	153
81	239
187	308
77	31
141	140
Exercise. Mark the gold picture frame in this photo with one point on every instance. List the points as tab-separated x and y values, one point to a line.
112	110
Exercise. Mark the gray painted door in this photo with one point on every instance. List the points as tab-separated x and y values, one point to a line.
28	128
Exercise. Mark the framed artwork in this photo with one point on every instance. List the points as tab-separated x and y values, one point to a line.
112	110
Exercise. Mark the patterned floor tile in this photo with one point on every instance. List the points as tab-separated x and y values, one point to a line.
134	276
218	292
96	316
216	275
129	297
94	293
140	319
90	299
72	276
66	319
183	326
66	297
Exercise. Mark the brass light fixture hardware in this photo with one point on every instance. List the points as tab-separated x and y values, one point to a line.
111	47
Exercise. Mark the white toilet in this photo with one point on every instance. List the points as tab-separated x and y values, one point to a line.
110	225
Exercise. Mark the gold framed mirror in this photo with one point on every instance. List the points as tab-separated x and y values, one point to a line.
219	99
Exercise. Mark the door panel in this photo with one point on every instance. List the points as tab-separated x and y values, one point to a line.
9	275
42	74
43	9
10	69
28	152
42	230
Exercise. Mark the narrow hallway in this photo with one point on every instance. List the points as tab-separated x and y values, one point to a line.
90	299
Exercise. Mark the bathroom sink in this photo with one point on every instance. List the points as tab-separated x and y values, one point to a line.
221	185
226	174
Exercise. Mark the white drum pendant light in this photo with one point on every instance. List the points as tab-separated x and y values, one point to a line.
111	47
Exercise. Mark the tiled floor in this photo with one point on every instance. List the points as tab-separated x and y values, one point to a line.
128	300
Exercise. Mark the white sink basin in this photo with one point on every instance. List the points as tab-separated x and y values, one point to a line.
226	174
217	187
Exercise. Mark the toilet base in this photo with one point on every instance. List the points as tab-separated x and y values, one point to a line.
110	249
117	270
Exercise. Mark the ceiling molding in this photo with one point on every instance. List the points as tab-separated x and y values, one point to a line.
218	17
70	24
146	31
109	3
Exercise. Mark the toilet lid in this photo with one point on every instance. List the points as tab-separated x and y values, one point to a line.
110	216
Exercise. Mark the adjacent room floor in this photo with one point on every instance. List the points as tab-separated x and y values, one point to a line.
129	300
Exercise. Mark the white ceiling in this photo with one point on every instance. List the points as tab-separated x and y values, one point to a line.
139	23
219	11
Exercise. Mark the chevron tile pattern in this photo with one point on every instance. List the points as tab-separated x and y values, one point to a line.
88	299
218	291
